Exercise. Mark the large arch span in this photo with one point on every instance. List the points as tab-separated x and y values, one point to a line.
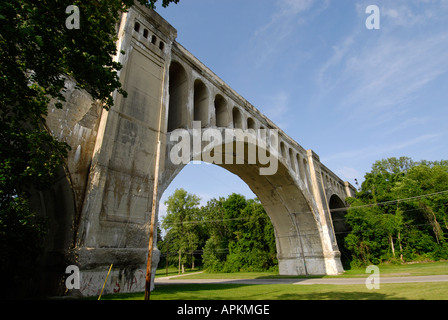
300	247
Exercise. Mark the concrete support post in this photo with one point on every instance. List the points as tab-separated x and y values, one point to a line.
333	263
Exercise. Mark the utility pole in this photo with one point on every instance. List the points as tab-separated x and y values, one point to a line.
151	230
154	202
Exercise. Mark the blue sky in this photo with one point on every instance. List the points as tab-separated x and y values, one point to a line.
351	94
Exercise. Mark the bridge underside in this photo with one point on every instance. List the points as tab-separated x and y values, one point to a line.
300	239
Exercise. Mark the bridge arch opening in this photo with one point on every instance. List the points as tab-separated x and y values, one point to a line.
292	160
298	238
221	113
306	173
299	167
237	118
201	97
251	124
283	150
338	210
178	97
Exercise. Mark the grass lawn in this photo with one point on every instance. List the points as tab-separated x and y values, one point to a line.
408	291
411	291
411	269
414	269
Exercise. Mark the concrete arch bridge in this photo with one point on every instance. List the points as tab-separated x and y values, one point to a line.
106	191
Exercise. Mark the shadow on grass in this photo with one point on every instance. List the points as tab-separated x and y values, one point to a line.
253	292
181	292
338	296
277	276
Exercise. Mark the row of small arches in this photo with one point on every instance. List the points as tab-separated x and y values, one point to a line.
179	116
296	162
333	184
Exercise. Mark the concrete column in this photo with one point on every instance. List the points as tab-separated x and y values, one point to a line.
333	263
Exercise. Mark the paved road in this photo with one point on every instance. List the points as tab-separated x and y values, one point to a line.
336	281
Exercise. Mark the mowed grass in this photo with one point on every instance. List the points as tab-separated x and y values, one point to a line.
411	291
414	269
411	269
404	291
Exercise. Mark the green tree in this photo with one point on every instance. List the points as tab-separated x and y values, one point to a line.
235	233
392	166
181	224
217	234
245	238
233	208
213	255
38	54
400	212
215	215
429	178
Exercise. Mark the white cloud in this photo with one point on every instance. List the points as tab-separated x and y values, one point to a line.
324	80
408	14
293	7
373	76
404	124
393	75
271	39
348	174
376	151
276	108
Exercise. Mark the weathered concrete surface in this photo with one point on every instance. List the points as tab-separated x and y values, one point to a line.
111	168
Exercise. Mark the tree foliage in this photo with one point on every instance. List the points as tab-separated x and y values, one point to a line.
229	234
400	212
181	221
38	54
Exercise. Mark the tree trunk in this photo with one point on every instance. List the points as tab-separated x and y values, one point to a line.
392	244
431	216
401	247
179	260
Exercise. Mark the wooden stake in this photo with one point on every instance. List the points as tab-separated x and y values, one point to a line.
154	201
99	298
151	230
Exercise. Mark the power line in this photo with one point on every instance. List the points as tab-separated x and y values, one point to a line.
331	210
408	226
390	201
215	220
403	211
